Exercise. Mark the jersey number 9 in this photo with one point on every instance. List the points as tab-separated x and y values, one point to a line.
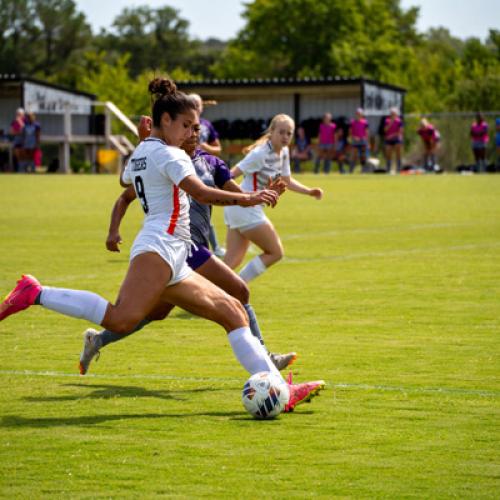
139	189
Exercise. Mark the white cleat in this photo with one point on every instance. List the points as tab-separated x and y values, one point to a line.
281	361
220	252
91	345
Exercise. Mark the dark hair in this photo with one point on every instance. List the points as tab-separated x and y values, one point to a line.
479	117
167	99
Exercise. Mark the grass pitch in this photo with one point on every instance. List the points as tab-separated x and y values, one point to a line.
389	291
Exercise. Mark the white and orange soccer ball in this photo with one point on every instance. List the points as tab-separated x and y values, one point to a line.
265	395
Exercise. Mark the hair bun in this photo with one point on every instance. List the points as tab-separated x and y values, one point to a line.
160	87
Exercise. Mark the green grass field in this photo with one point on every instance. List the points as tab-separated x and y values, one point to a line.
390	291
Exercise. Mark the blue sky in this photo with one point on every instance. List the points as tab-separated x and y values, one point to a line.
221	18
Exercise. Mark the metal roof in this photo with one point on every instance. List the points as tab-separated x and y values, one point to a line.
277	82
11	77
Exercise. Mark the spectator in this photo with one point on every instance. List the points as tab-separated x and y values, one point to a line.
341	148
210	143
16	132
31	143
430	139
393	138
480	138
301	150
326	143
359	137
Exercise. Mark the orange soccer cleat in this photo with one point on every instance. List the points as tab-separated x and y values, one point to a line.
23	296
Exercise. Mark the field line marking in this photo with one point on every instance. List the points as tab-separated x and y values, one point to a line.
380	229
403	252
340	385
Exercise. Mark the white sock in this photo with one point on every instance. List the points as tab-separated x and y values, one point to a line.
75	303
253	269
250	352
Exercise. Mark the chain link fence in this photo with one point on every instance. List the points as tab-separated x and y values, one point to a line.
454	150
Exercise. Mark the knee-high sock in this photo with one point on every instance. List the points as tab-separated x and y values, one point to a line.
253	269
107	337
75	303
212	237
250	352
254	325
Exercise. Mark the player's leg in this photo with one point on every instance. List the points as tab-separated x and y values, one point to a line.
319	157
329	154
363	157
353	159
340	160
214	242
482	159
201	297
146	279
225	278
397	148
236	247
94	340
148	274
388	157
267	239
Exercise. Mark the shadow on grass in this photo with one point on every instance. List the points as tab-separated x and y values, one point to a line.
86	420
108	391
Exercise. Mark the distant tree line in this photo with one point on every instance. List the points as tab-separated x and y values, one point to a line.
52	40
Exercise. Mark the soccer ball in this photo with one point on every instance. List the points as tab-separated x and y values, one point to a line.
265	395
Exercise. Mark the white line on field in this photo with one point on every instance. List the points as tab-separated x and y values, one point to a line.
403	252
340	385
382	229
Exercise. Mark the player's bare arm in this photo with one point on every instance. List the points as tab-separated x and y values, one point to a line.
203	194
119	209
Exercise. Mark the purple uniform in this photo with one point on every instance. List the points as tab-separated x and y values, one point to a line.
213	172
208	134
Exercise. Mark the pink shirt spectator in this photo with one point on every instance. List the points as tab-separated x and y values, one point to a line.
428	133
16	129
394	128
359	129
327	133
479	132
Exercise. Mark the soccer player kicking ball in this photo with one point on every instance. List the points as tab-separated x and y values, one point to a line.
163	177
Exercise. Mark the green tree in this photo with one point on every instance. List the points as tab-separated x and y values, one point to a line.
154	38
43	38
63	35
304	37
18	35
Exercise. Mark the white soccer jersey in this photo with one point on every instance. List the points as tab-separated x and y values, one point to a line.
261	164
156	169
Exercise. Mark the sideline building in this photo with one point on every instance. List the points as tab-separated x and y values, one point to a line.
304	99
67	116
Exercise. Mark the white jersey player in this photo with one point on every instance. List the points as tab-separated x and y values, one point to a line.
268	158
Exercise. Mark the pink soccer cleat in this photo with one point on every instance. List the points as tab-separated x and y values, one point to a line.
302	393
23	296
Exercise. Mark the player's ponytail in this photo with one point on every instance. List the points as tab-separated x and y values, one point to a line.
267	134
167	99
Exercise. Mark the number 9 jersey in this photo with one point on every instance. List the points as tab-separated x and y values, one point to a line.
156	170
